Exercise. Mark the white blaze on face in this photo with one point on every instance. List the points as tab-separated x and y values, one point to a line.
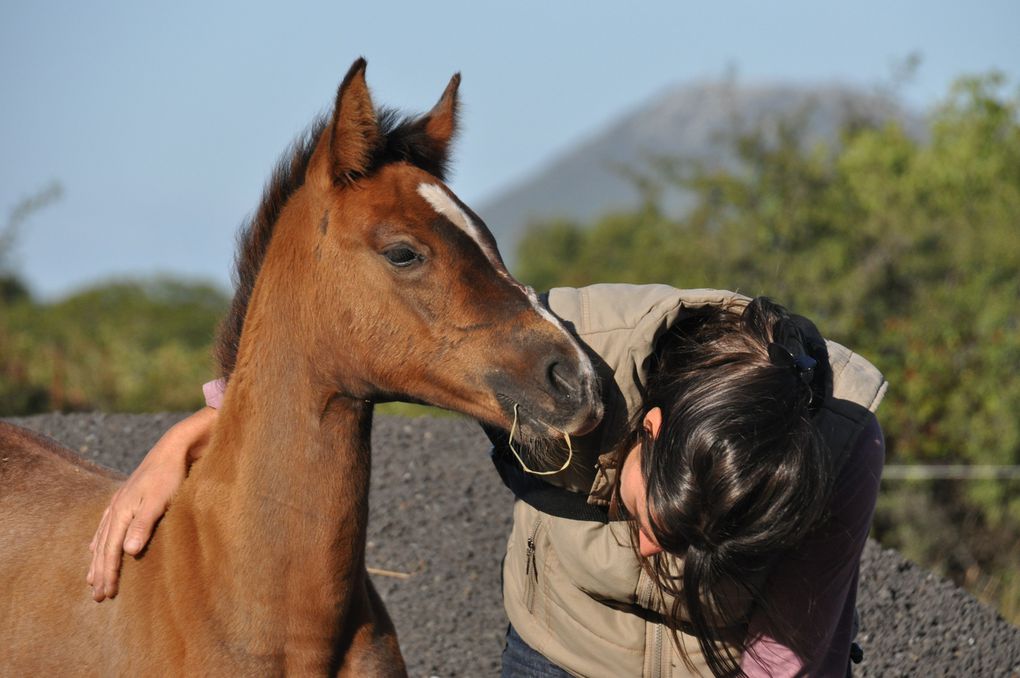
445	205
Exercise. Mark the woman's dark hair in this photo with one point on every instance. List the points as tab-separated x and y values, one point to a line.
737	473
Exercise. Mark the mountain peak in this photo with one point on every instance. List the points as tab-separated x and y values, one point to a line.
686	121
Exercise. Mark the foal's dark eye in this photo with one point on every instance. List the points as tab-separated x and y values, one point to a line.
401	255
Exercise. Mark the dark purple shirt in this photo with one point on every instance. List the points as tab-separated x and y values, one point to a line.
814	588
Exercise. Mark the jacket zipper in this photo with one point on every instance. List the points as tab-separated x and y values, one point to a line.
657	659
645	600
531	567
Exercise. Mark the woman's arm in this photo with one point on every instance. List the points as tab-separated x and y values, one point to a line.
813	591
127	523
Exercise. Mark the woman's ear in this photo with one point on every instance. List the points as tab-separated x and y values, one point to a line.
653	421
647	546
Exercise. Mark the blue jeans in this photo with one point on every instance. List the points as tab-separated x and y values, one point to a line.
520	660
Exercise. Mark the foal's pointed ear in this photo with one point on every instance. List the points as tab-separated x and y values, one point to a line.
354	134
441	122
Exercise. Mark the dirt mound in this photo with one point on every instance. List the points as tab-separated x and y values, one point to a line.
440	514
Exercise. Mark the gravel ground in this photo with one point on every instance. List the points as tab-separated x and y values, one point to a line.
440	514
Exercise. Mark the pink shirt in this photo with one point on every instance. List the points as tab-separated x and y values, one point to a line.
213	392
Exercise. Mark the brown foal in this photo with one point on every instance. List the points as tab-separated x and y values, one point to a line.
361	278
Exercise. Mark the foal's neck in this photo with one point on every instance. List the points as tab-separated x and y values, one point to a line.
280	505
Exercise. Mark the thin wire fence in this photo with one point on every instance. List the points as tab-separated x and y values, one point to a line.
950	472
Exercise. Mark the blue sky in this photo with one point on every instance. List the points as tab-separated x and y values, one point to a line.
162	121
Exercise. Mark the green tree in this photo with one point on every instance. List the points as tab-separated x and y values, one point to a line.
127	346
12	288
121	347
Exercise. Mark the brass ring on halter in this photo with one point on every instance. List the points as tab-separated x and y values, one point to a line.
510	443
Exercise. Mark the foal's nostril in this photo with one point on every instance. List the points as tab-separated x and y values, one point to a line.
560	379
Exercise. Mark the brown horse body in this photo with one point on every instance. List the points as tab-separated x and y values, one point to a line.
373	282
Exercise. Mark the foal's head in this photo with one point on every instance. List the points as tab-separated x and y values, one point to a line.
392	287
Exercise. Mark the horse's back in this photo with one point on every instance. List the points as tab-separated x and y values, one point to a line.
49	497
50	504
25	455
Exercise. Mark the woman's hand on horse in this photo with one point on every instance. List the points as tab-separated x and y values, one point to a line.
127	523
